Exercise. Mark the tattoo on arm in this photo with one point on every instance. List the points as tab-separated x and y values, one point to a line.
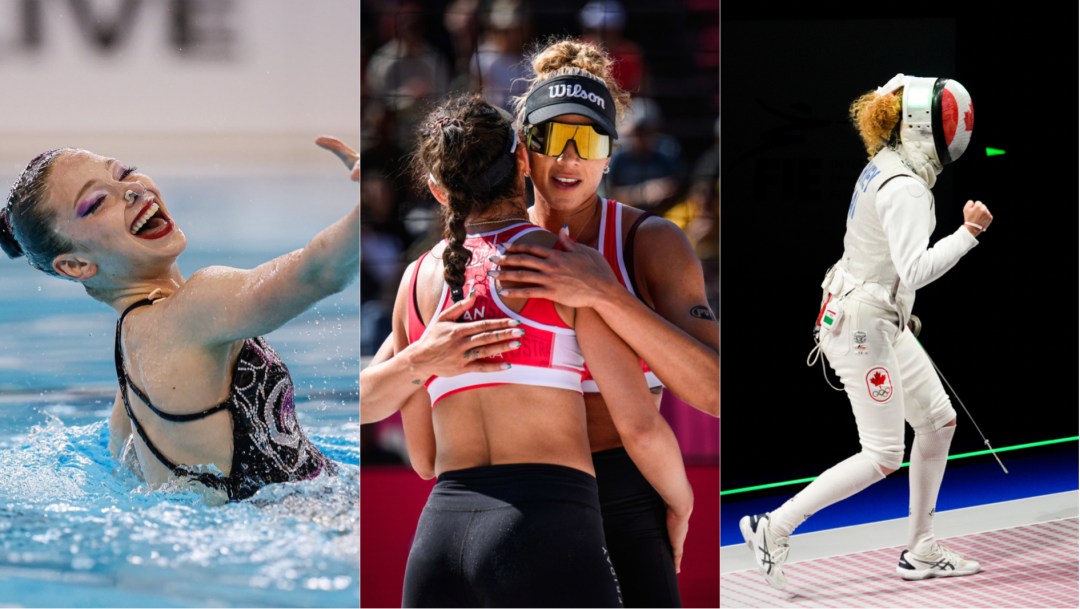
702	312
417	382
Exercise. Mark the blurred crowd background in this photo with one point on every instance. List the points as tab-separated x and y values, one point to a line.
413	54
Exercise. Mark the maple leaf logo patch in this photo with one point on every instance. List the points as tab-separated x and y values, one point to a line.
879	384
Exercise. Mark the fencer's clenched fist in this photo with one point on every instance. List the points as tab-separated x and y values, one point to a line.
977	217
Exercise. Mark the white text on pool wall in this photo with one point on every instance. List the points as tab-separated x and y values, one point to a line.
188	66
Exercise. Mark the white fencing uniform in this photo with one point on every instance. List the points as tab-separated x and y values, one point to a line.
862	329
863	334
885	372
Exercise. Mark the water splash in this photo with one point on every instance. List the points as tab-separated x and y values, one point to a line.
69	514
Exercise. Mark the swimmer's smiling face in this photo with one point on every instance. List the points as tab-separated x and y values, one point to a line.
114	216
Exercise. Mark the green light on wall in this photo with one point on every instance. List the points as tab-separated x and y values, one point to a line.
994	151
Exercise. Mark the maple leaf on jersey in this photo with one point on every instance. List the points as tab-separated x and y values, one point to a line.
877	379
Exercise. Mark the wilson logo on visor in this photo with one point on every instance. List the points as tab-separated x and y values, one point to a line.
565	90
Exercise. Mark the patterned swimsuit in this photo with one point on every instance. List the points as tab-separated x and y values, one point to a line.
268	444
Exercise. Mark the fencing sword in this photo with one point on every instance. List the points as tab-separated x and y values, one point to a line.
915	325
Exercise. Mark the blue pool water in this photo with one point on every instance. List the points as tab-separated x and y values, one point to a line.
75	530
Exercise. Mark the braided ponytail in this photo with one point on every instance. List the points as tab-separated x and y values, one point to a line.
465	146
456	257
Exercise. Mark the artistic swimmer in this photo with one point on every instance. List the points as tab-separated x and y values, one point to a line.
206	396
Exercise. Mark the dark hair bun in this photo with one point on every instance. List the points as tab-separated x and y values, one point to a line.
8	243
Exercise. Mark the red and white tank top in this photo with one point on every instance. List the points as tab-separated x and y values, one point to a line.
611	246
549	355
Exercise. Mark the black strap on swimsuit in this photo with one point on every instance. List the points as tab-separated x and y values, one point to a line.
628	252
121	374
125	383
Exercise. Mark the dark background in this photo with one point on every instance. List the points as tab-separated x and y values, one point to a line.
995	323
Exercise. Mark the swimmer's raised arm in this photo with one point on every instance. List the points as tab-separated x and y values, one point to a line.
223	304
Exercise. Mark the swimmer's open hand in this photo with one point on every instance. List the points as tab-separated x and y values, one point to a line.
350	157
449	348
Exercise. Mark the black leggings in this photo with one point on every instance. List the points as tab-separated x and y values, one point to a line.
523	535
635	525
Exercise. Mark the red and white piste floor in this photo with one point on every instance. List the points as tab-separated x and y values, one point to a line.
1028	550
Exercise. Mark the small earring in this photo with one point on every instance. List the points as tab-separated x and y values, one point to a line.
607	168
130	196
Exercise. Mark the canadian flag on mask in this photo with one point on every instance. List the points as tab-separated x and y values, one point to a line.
957	118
